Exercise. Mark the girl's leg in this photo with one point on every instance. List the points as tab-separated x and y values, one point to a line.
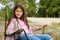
43	36
30	37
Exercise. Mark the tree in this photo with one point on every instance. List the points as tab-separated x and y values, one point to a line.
4	1
22	2
31	9
51	7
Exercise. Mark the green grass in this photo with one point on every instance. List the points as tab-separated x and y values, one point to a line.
53	30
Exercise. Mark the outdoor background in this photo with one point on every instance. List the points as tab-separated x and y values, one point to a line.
38	12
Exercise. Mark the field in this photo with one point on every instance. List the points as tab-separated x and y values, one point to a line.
52	28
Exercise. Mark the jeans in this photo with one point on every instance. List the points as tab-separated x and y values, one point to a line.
36	37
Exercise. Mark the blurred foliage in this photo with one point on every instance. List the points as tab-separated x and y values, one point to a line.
50	8
7	12
44	8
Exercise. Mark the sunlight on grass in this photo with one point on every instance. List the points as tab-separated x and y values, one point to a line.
53	30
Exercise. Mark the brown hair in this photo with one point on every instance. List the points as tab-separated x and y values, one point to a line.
23	17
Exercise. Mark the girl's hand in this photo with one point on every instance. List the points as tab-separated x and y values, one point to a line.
19	31
43	26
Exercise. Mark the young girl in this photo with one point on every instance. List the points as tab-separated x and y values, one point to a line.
18	21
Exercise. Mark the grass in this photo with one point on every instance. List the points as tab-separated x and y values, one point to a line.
53	30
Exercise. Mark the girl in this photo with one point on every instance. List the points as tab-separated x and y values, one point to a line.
17	21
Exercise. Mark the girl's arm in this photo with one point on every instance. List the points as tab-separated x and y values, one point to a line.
10	29
38	28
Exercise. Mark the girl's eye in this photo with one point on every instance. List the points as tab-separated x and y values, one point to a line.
17	11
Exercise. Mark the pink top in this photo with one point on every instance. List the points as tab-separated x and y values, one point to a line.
14	27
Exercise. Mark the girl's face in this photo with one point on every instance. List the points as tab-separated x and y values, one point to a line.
18	12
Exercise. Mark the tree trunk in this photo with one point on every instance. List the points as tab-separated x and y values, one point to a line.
54	15
59	15
46	15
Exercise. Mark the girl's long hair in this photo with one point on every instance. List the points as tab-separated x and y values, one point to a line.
23	17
